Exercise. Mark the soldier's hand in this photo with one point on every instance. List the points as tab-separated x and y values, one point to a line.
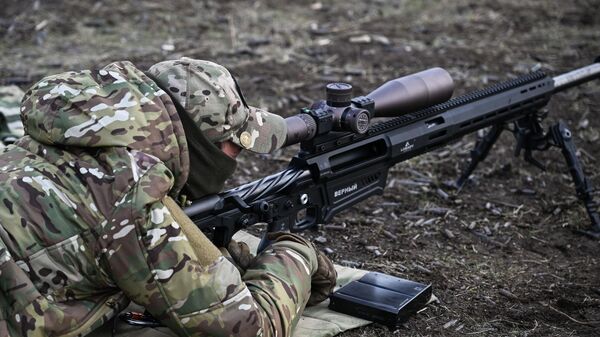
239	254
323	280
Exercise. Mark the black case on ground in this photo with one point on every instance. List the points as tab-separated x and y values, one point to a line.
381	298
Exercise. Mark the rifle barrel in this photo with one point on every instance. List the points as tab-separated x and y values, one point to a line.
577	76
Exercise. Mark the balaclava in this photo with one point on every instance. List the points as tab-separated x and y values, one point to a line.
213	110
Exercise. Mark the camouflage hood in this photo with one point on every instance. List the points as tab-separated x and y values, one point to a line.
116	106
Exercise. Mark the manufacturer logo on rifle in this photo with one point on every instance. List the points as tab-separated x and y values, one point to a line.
407	146
345	190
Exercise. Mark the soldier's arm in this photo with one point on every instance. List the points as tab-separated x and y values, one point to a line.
196	291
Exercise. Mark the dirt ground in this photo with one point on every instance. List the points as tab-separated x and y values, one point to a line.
503	255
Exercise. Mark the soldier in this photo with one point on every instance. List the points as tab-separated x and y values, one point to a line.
87	216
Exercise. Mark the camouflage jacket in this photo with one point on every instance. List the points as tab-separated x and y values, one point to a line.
83	226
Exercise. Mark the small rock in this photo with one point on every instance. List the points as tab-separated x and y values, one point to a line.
381	39
526	191
355	71
317	6
450	323
495	210
335	227
390	234
584	123
556	211
328	250
442	194
258	41
508	294
320	239
443	154
487	230
423	269
41	25
361	39
351	264
536	67
318	30
168	47
448	233
323	42
592	135
437	210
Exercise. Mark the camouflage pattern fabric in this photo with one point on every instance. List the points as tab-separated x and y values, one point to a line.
210	95
10	114
83	226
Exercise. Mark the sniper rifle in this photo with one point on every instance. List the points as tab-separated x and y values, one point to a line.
344	160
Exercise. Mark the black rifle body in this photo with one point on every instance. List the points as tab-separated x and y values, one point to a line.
335	171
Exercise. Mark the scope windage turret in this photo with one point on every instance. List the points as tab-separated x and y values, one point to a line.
413	92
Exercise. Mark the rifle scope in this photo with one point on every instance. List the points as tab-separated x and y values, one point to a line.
341	112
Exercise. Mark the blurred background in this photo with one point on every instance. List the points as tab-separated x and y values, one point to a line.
501	254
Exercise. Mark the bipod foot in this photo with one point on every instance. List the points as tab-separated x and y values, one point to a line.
454	184
592	210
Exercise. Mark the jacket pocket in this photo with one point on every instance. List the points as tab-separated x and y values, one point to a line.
67	270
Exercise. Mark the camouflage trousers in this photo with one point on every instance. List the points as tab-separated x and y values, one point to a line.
316	321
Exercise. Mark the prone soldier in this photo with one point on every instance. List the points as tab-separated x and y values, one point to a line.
89	219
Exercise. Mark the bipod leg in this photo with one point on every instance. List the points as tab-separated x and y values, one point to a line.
479	153
562	138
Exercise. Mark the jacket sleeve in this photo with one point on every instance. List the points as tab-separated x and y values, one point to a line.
153	262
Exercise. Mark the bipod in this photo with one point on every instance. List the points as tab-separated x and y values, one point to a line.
562	137
479	153
530	136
